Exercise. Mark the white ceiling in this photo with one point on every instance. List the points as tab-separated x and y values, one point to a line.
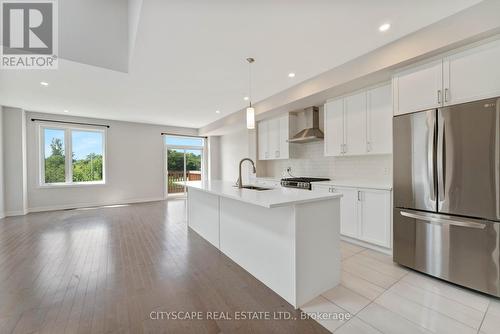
103	43
189	56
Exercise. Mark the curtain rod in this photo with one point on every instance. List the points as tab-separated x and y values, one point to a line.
65	122
178	135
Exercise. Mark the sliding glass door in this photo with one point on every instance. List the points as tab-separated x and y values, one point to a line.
185	162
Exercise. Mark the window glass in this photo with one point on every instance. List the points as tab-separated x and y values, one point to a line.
193	164
54	167
184	141
87	156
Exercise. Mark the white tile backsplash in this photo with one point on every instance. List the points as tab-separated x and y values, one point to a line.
309	160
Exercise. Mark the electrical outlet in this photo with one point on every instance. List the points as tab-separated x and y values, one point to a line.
387	171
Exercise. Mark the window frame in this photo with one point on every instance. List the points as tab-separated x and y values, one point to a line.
68	154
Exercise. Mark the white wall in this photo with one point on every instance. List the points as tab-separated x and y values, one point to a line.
235	146
14	156
2	188
134	166
214	158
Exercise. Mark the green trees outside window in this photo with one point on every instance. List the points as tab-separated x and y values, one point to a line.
175	160
55	162
86	156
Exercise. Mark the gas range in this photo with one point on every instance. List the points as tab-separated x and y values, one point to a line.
301	182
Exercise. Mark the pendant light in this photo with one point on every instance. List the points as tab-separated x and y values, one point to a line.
250	109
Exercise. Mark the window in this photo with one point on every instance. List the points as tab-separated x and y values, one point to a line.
72	156
55	171
184	141
87	156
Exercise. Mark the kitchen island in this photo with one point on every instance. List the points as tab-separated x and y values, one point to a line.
289	239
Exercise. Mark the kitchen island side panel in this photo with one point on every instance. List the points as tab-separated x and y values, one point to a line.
317	248
261	241
203	215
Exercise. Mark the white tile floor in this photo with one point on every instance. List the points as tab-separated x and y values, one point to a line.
383	297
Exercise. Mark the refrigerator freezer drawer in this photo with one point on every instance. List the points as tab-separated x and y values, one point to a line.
460	250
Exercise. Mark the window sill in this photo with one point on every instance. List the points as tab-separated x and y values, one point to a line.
71	185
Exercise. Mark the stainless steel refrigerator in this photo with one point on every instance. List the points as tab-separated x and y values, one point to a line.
447	193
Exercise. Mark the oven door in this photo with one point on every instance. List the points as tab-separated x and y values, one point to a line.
460	250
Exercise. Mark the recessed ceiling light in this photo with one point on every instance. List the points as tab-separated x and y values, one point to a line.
245	98
65	110
291	75
217	111
44	83
384	27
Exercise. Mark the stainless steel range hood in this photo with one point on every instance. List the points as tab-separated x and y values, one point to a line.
312	133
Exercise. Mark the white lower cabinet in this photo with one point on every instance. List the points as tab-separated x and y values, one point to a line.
349	212
375	216
365	214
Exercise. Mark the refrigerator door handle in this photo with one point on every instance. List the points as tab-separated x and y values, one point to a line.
446	220
441	156
430	159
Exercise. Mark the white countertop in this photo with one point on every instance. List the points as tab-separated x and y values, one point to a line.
356	184
276	197
265	178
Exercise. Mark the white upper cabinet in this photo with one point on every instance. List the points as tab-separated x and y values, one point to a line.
262	140
472	74
284	131
359	124
461	77
379	120
419	88
273	137
334	127
273	144
355	124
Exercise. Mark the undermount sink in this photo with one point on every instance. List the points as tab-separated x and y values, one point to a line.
255	188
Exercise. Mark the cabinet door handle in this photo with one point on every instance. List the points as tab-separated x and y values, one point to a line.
359	196
446	94
368	147
277	154
439	96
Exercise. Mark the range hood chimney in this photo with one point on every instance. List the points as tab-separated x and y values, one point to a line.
309	134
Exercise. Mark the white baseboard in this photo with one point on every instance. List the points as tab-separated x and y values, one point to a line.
381	249
15	213
2	214
95	204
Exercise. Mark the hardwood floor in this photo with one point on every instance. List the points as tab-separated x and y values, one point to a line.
105	270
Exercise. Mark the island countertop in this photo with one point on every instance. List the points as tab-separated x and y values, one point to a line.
275	197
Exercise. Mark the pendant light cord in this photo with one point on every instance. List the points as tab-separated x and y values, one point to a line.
250	61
